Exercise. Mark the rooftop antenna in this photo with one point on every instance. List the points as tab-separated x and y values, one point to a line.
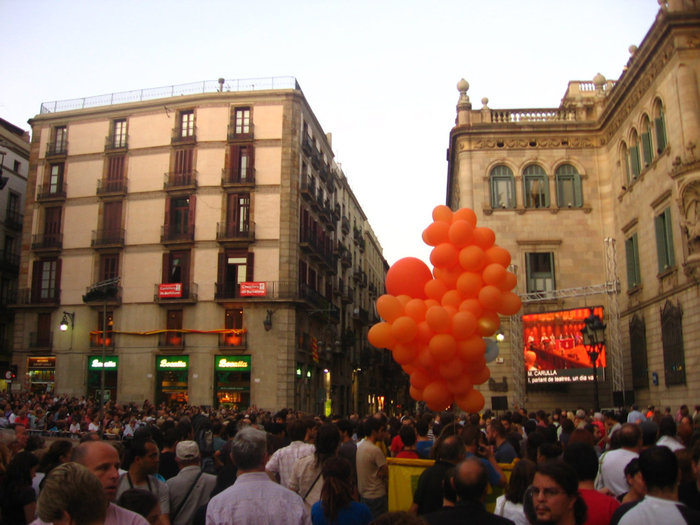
221	84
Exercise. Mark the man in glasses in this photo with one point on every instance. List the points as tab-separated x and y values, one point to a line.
553	497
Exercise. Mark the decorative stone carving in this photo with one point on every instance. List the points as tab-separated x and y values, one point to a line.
691	216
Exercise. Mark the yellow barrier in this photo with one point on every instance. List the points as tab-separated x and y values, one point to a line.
403	480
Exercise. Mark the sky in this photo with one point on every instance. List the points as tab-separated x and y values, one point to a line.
379	75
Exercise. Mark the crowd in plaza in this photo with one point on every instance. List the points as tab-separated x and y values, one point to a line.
66	460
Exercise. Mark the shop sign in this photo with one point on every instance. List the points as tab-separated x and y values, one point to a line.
169	290
41	362
233	362
180	362
253	289
110	363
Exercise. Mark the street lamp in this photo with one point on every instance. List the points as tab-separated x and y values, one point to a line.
594	341
68	317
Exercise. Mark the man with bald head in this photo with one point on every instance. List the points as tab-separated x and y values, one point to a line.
470	484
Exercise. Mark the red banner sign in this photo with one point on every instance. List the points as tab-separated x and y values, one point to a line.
170	290
253	289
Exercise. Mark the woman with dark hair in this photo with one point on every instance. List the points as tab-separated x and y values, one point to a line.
17	497
306	479
336	505
553	497
142	502
57	454
510	504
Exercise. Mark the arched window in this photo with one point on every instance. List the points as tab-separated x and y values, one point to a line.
660	125
502	187
625	161
647	149
535	187
635	163
568	180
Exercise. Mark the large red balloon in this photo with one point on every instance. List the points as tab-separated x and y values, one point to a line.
408	276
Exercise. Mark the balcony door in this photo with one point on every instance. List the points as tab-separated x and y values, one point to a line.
238	214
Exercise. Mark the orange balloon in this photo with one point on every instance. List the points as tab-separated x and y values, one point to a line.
408	368
448	276
436	233
488	324
484	237
420	378
437	396
389	307
408	276
473	306
463	325
444	255
416	395
465	214
381	335
461	233
469	284
460	385
425	333
509	282
497	254
493	274
472	350
435	289
451	299
481	376
510	304
442	213
438	319
415	308
490	298
471	402
472	258
431	302
443	347
404	353
404	329
403	300
425	359
451	370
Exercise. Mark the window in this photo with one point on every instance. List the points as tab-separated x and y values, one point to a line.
568	181
55	182
52	226
119	133
16	167
672	340
115	173
60	140
647	149
235	267
176	267
625	162
540	271
660	125
502	187
634	278
174	323
10	253
42	338
96	338
638	345
238	215
112	221
664	240
242	121
179	218
242	163
634	162
536	187
45	280
109	266
233	319
13	217
187	123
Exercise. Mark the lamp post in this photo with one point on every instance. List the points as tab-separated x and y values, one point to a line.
594	340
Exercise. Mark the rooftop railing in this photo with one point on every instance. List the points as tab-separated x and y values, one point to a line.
194	88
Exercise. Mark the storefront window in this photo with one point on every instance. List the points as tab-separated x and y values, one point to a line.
172	378
232	381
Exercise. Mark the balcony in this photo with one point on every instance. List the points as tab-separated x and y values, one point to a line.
116	143
244	232
180	181
47	242
324	172
171	341
181	136
9	262
41	341
306	146
57	149
27	297
13	220
233	341
242	134
345	225
168	293
51	192
308	188
233	178
111	187
177	234
108	238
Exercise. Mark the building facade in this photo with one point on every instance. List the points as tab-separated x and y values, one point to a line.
14	167
199	245
597	201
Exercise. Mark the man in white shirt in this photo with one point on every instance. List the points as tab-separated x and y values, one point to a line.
611	466
281	463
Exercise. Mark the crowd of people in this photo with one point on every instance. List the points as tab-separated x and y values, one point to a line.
181	465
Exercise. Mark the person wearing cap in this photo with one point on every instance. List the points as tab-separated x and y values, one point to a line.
191	488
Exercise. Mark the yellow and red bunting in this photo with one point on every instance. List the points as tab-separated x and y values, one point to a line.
234	331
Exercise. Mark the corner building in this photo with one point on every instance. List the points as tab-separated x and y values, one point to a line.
199	245
597	202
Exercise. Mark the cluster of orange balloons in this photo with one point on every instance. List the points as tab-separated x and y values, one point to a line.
435	322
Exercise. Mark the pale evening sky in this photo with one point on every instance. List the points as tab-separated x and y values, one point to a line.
379	75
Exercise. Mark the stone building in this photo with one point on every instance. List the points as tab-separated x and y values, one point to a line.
14	167
196	243
597	202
